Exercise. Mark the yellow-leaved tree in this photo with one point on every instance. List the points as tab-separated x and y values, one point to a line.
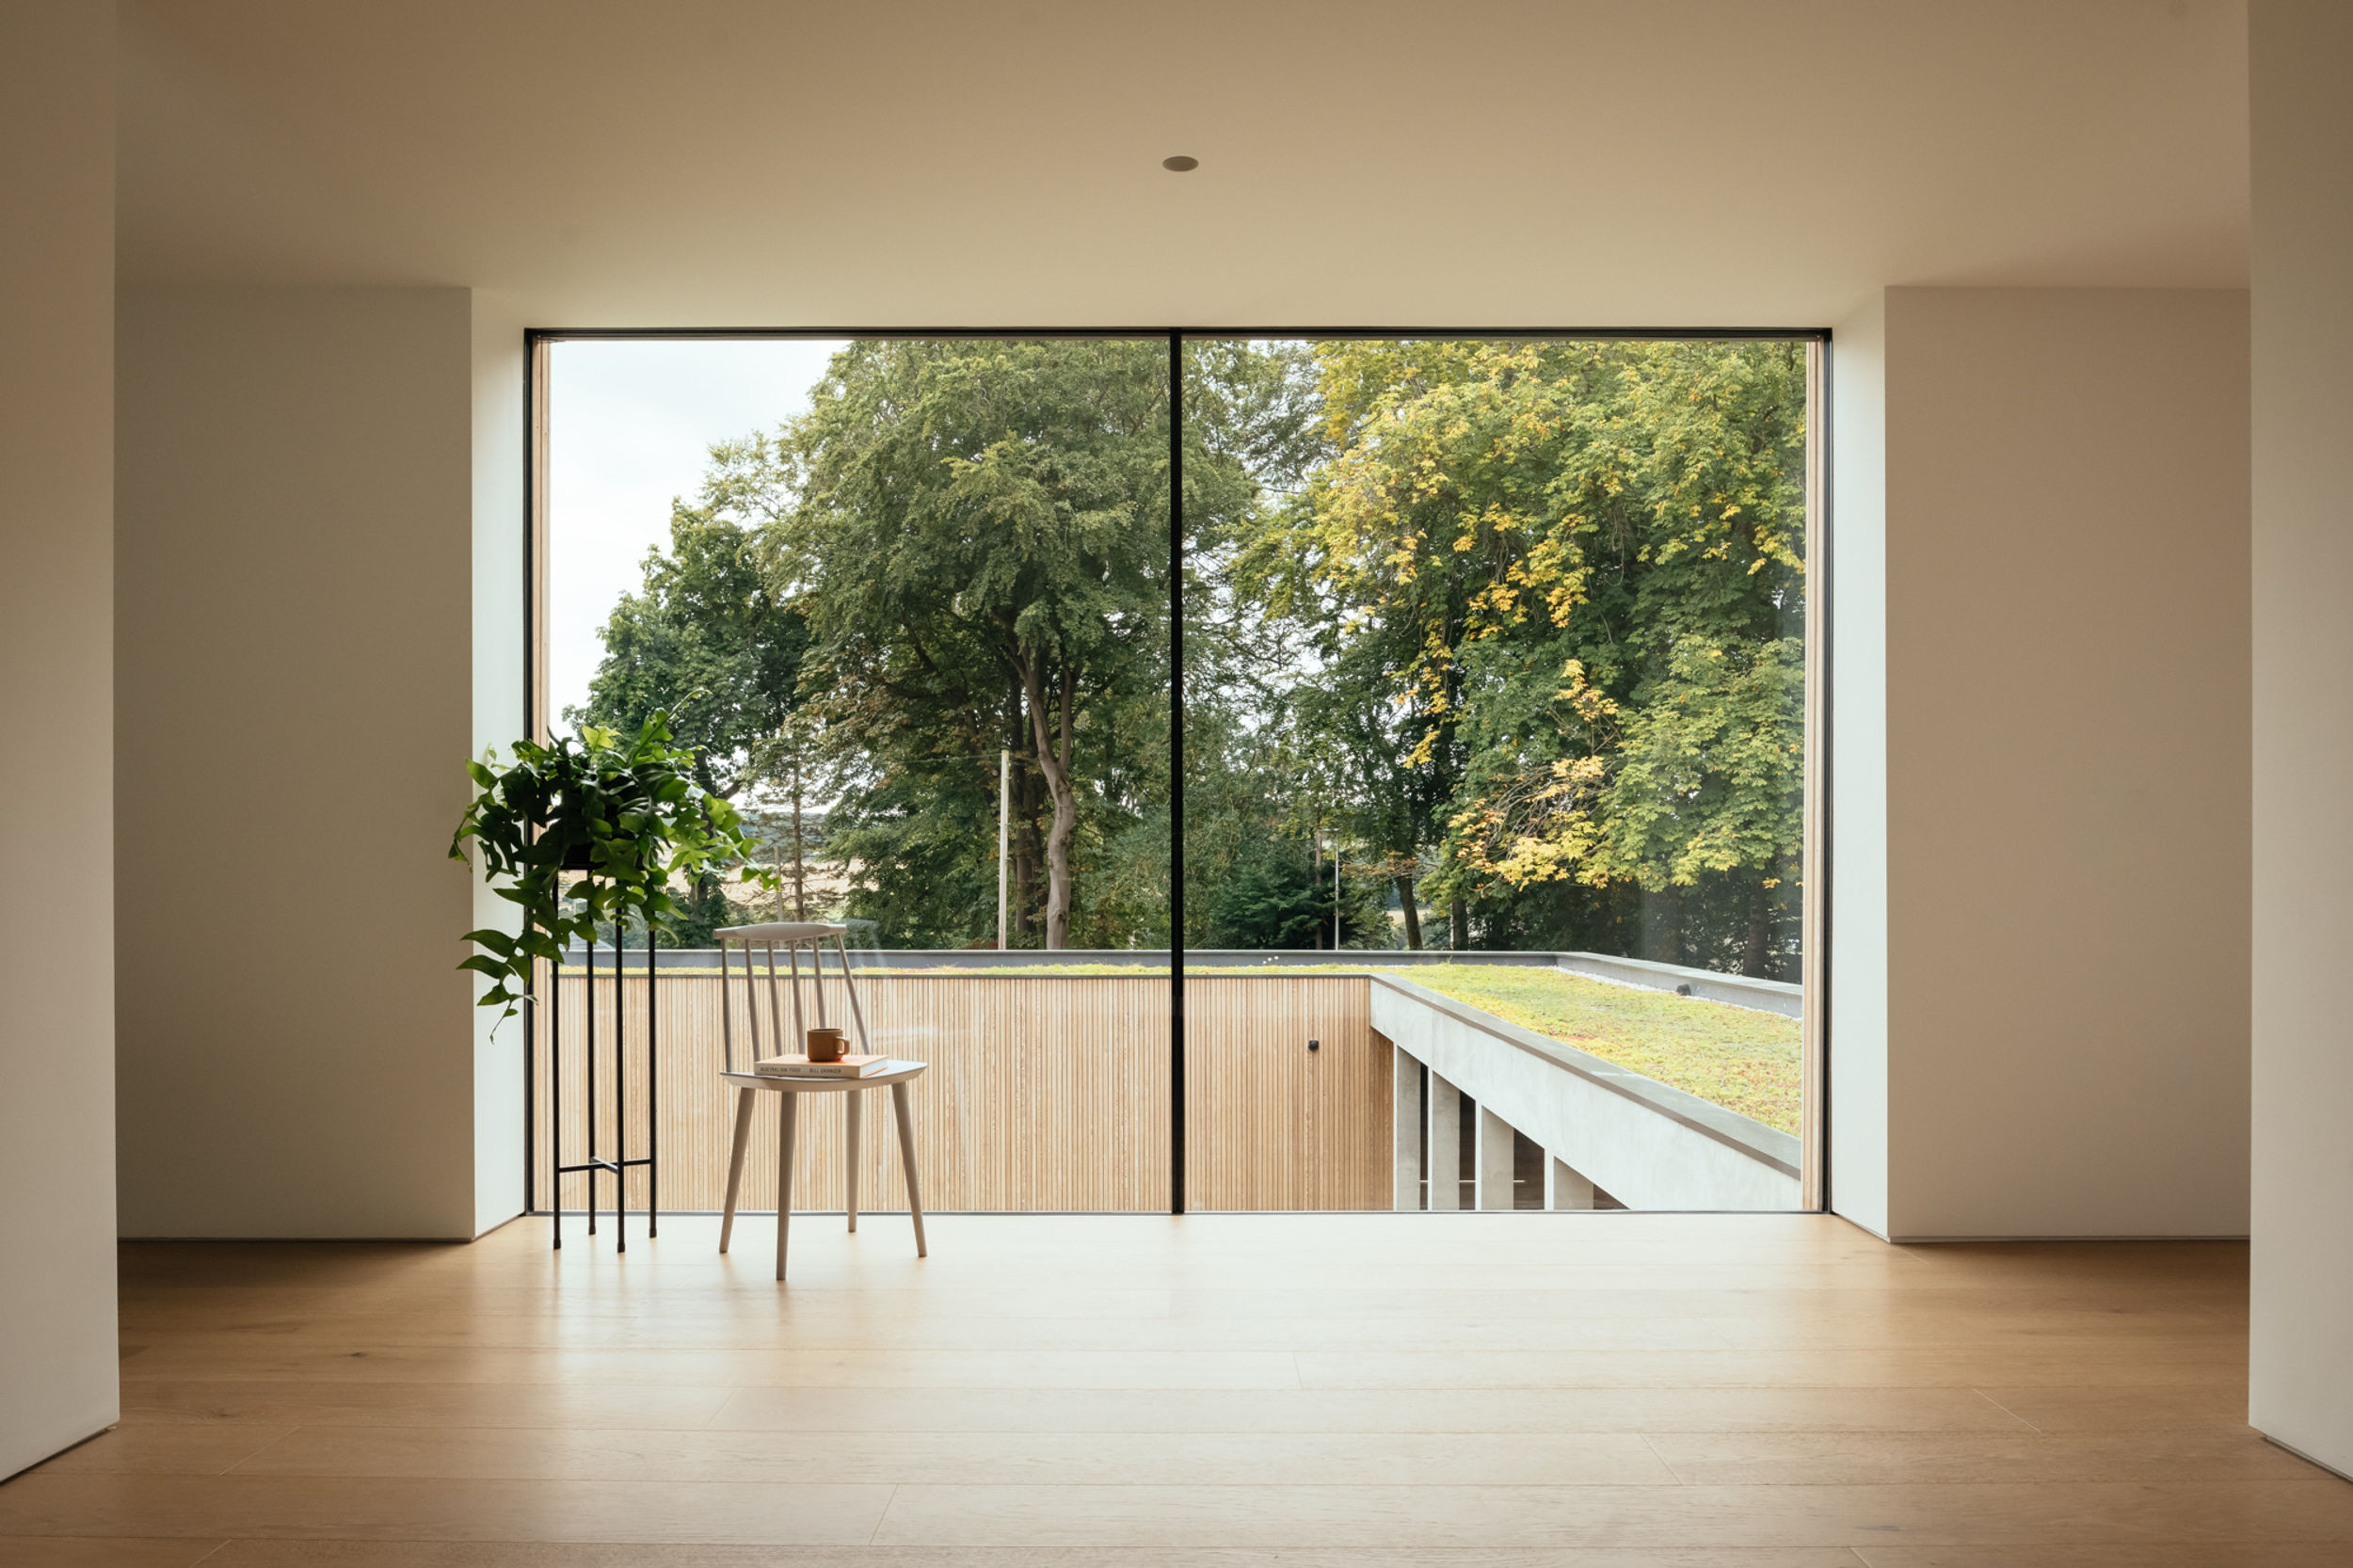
1557	592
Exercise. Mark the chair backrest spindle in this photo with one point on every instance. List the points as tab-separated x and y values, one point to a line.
727	1011
800	1024
817	966
849	987
775	1025
791	936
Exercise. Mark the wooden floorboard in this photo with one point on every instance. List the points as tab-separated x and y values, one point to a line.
1477	1391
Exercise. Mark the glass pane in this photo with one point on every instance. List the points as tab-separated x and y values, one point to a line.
1494	774
904	597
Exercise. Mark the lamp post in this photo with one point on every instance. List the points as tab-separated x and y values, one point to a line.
1004	836
1336	895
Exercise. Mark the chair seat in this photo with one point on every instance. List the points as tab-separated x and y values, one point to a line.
892	1072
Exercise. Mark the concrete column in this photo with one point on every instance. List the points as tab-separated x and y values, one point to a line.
2300	1336
1405	1129
1494	1164
1445	1143
58	1355
1563	1187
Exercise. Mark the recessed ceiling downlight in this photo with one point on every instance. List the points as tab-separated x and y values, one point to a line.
1180	164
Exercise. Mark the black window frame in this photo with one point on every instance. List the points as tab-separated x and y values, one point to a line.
1815	1139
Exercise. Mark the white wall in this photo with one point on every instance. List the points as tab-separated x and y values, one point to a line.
293	685
57	1355
2301	1384
2066	616
1857	632
499	719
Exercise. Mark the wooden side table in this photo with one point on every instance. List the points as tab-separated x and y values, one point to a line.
895	1076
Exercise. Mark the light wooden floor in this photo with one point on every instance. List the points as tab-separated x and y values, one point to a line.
1142	1392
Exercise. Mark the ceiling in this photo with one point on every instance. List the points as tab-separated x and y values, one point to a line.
1581	162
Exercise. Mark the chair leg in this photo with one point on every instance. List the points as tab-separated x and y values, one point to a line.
735	1164
784	1175
851	1120
899	1104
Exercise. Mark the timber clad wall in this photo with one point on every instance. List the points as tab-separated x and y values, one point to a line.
1045	1093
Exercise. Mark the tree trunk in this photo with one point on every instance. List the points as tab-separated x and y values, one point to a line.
1024	848
1024	813
1053	761
1413	915
1458	915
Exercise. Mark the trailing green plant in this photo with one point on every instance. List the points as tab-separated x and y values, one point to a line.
616	818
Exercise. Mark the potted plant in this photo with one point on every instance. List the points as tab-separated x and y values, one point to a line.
623	816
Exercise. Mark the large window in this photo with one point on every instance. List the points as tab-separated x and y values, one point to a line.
1375	777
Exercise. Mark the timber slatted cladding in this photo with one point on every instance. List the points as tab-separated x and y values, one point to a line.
1045	1093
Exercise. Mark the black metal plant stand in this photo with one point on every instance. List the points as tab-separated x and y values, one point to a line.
595	1165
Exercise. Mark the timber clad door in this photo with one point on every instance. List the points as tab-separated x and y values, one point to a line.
1348	1109
1270	1124
1246	1090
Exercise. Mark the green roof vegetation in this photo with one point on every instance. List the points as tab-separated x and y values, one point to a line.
1736	1057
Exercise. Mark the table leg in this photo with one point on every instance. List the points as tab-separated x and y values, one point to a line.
735	1164
851	1119
899	1104
790	1105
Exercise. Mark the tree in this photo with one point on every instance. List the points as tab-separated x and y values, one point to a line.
977	533
707	641
1251	422
1573	573
1391	768
790	761
1521	622
1276	897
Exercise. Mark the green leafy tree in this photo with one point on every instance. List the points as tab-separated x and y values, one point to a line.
1276	897
977	534
1251	790
791	761
1519	620
706	623
1575	572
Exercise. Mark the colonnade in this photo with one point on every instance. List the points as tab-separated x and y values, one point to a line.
1428	1116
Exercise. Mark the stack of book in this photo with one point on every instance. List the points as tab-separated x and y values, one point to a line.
852	1064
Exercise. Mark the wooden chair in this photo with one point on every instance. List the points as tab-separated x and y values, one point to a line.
771	1040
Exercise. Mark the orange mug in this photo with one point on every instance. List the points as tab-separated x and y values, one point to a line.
824	1044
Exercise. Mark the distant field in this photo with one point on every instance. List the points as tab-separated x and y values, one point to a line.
1742	1059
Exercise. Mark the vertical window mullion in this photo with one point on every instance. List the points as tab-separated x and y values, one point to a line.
1175	773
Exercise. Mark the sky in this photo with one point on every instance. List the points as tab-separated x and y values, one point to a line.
631	426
